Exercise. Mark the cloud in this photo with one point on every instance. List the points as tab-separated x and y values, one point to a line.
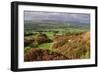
56	16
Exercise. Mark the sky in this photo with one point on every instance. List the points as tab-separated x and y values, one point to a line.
35	16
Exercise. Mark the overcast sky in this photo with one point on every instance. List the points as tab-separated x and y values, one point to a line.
56	16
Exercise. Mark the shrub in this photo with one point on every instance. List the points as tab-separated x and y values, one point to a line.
59	41
42	55
27	42
58	44
34	44
77	48
42	38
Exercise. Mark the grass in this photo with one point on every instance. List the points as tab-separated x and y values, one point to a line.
26	48
47	46
44	46
49	34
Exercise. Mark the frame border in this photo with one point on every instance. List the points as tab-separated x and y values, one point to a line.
14	35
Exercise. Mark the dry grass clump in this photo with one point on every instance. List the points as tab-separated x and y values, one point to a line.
42	55
76	47
59	40
58	44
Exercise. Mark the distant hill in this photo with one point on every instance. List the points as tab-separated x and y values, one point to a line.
39	26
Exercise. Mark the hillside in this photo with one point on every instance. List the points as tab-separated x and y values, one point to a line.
74	46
